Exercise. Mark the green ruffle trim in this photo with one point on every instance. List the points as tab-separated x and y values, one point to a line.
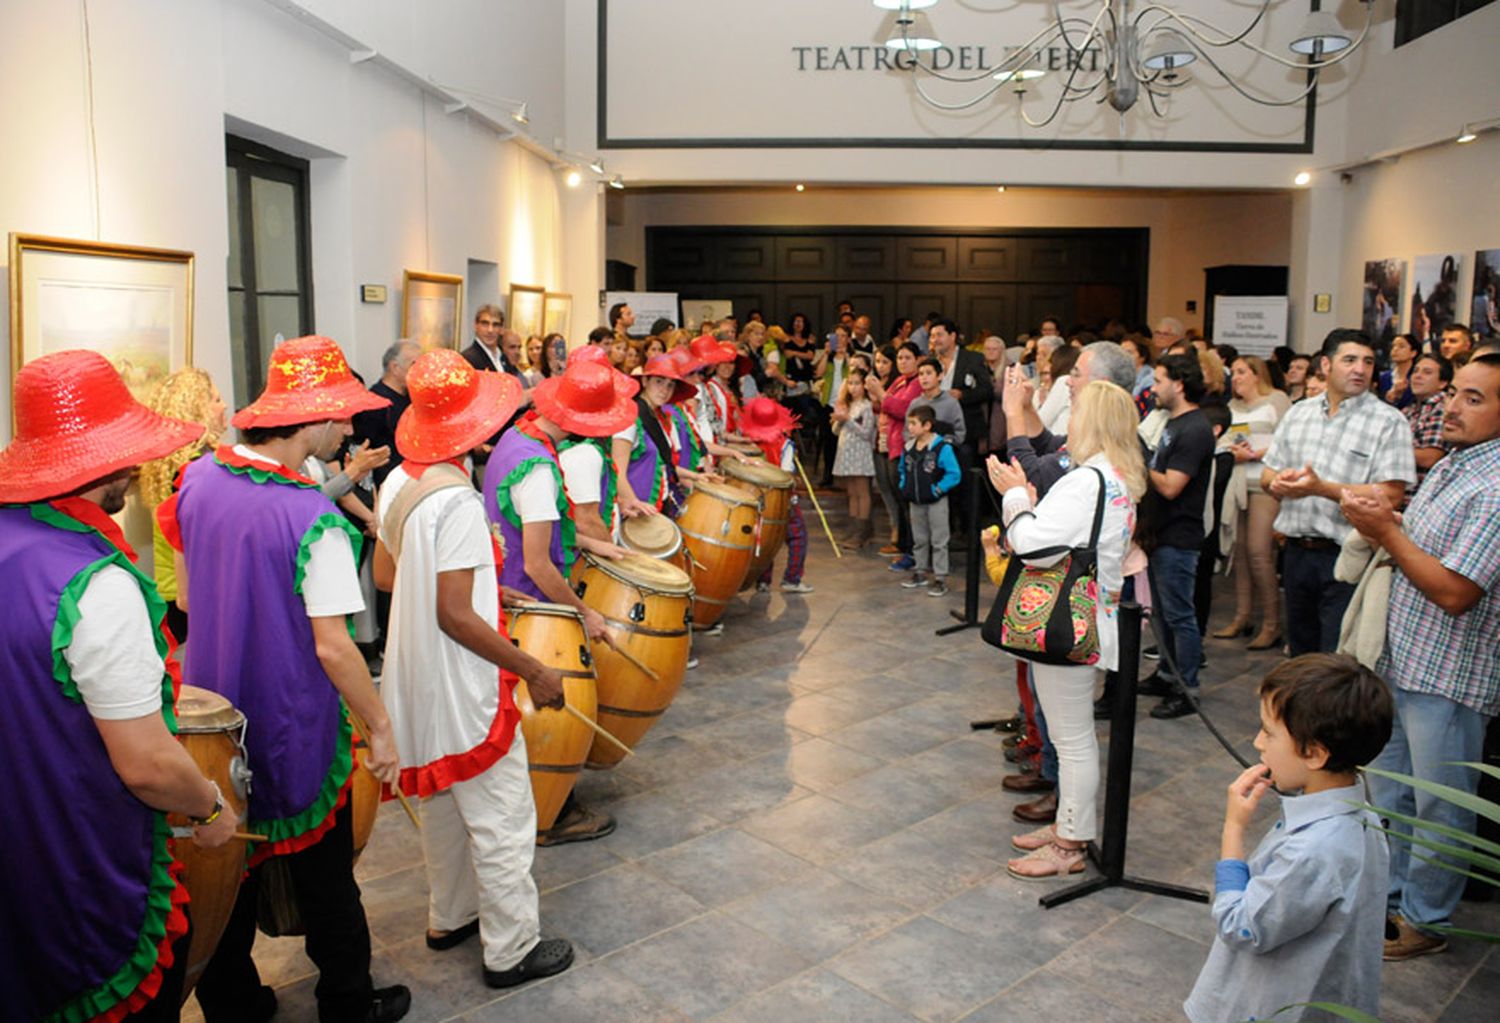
696	450
143	960
286	828
564	520
265	475
322	524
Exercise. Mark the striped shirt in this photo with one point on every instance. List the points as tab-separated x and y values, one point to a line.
1456	518
1365	441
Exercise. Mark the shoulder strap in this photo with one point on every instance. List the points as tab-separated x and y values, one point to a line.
1047	552
442	476
1098	512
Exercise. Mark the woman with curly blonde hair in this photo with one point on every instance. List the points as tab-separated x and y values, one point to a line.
189	395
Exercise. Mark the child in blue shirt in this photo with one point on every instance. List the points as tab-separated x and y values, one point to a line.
927	472
1303	919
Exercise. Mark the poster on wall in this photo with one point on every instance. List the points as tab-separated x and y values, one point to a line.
648	306
1382	299
431	308
1484	316
1434	295
133	305
557	313
700	314
1254	324
525	315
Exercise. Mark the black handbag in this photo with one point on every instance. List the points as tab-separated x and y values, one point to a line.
1050	615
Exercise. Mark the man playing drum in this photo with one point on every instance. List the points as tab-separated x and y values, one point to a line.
457	726
271	579
89	898
524	495
588	467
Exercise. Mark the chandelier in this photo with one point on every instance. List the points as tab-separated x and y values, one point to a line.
1141	49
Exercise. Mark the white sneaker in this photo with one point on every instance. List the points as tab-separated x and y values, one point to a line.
692	662
796	588
716	629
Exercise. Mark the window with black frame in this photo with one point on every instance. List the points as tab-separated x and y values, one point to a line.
270	265
1415	18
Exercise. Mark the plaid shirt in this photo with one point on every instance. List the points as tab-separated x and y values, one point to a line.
1455	517
1366	441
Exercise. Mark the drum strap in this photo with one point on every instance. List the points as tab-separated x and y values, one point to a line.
441	476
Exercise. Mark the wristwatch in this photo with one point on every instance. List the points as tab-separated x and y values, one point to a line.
218	808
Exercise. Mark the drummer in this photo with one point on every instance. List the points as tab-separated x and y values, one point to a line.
643	450
588	466
525	497
465	756
271	580
706	355
769	425
722	404
88	762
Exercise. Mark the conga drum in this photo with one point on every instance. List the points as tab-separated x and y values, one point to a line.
746	449
648	605
773	486
655	536
213	732
718	529
557	744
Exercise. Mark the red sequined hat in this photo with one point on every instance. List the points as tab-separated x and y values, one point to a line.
711	352
764	419
594	353
671	369
76	423
454	407
587	399
309	382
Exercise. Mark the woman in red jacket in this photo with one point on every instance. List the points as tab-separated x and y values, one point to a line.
899	394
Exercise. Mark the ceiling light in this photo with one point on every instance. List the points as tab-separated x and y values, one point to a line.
1025	74
573	177
1321	34
617	182
896	5
801	188
1302	178
1169	52
520	115
596	165
913	33
999	188
1467	135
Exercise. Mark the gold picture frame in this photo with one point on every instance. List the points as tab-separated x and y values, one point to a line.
557	313
432	308
130	303
524	313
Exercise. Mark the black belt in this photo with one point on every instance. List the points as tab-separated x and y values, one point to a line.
1313	543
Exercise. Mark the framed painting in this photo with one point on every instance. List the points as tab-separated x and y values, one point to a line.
524	314
557	313
432	308
131	304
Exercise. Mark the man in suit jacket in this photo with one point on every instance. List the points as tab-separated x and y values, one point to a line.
485	352
966	377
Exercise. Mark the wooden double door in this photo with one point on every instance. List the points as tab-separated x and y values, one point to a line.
1001	281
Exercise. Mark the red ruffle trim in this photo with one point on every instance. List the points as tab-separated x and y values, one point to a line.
308	838
150	985
444	772
166	520
227	456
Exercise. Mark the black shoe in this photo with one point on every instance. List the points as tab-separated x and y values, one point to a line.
1174	706
1151	653
550	956
453	938
1155	685
390	1004
1202	661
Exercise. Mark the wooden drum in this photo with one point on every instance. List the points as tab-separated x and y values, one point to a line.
747	449
557	744
655	536
773	486
718	528
212	731
648	605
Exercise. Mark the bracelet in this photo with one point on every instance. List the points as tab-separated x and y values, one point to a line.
218	808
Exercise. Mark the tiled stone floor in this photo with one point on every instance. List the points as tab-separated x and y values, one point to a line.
812	833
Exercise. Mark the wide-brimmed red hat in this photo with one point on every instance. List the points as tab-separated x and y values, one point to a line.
764	419
587	399
712	352
308	381
76	423
593	353
671	369
454	407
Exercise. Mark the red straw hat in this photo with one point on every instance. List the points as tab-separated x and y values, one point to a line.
309	382
671	369
764	419
454	407
587	399
76	423
686	360
594	353
711	352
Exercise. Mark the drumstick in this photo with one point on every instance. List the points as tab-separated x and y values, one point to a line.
821	517
634	661
247	836
581	716
364	733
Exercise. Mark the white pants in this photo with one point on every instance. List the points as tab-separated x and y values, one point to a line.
478	838
1067	697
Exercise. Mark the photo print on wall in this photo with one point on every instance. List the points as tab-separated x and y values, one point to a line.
1484	316
1434	296
1382	299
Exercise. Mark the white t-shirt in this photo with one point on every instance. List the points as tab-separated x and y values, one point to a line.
535	496
629	433
330	583
583	471
113	654
442	697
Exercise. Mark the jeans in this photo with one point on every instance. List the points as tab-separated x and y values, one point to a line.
1067	693
885	482
1315	601
1429	736
1174	575
929	530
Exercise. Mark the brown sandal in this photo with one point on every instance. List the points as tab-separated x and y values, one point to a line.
1049	862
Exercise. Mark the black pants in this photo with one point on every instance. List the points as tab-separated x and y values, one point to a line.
164	1008
338	938
1315	601
1203	588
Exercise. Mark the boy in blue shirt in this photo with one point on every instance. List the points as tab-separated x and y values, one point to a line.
927	472
1303	919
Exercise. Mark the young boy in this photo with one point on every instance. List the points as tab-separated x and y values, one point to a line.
1303	919
928	471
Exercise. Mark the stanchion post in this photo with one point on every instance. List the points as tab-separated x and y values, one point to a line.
969	619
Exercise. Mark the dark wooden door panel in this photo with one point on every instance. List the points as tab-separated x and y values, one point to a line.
987	307
1038	301
867	257
987	259
745	257
815	301
748	295
672	260
1096	304
877	301
926	258
1049	259
805	257
917	300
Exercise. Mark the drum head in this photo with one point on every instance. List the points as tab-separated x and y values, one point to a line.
202	710
646	572
656	535
724	492
539	607
748	450
762	474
